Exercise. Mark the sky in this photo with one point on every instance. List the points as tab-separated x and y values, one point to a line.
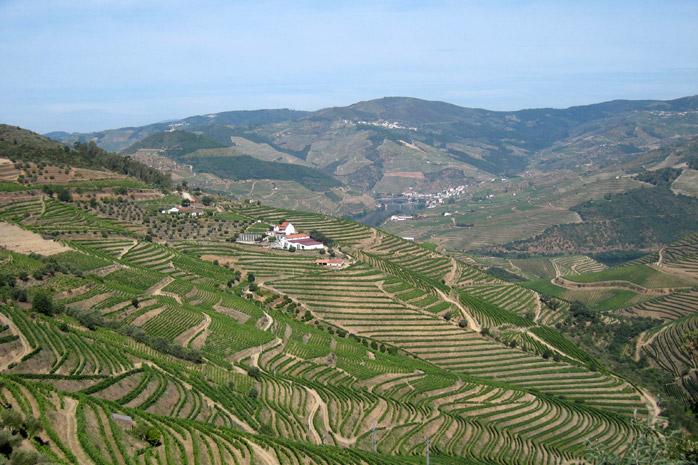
86	65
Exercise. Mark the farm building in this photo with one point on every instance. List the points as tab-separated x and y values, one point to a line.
249	238
301	244
123	419
306	244
284	229
331	262
293	237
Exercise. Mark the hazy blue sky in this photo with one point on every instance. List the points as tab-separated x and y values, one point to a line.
86	65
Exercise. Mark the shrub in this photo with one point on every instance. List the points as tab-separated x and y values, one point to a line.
20	295
149	434
43	303
64	195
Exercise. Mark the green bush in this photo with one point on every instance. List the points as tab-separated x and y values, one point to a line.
43	303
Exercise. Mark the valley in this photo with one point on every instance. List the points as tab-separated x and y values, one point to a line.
525	175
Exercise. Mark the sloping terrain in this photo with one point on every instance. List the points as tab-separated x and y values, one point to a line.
634	220
159	339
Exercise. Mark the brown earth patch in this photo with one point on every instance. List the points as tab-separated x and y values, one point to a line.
20	240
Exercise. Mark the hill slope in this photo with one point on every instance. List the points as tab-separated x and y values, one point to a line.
158	338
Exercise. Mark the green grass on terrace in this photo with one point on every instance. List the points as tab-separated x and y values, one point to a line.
258	228
642	275
595	299
6	186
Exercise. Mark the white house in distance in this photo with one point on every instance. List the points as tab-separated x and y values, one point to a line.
284	229
331	262
401	217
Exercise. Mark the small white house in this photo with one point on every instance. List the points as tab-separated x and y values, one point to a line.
171	210
336	263
284	229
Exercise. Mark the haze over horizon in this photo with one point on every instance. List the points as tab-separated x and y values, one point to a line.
84	66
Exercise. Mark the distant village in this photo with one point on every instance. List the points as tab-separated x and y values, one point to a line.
428	199
379	123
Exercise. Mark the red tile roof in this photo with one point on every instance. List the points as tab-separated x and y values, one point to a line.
305	242
297	236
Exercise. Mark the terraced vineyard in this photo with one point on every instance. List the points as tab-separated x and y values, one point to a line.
214	352
576	264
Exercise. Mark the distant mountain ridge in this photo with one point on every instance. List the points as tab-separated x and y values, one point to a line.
388	145
406	109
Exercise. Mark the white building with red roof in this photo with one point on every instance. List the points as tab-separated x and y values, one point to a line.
284	229
331	262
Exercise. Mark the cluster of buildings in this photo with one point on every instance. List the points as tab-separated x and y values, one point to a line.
401	217
287	237
380	123
191	211
434	200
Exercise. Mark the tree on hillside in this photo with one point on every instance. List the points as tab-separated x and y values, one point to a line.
43	303
64	195
47	190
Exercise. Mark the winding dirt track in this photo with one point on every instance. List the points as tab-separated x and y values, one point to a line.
472	322
71	431
267	323
321	405
195	332
314	407
252	351
157	289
